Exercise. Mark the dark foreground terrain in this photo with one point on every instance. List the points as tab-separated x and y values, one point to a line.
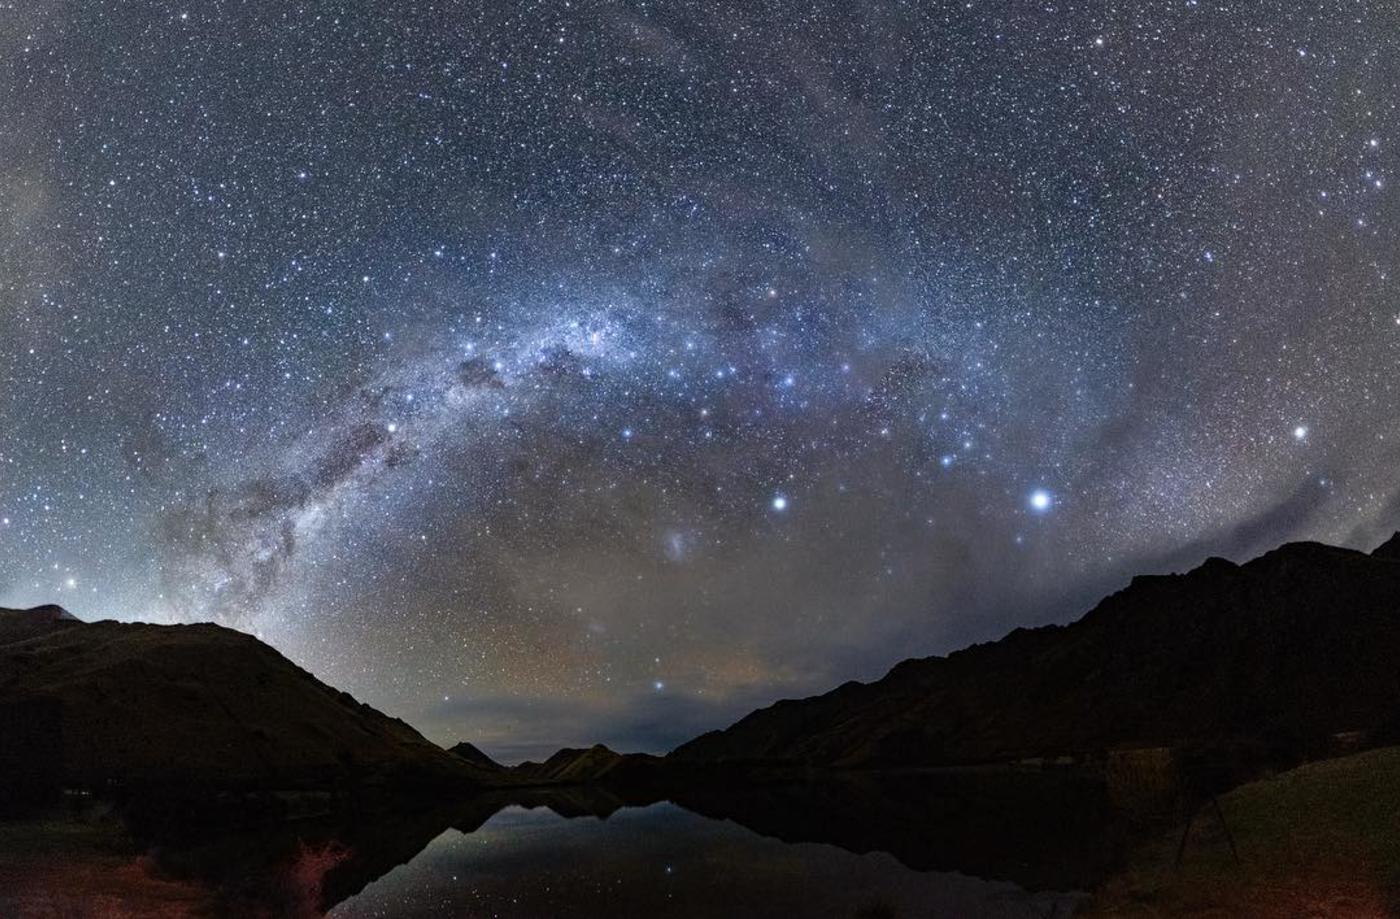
1319	840
196	771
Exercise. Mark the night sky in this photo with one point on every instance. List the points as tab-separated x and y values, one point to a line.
551	373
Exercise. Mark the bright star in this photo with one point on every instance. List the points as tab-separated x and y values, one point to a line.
780	503
1300	432
1041	500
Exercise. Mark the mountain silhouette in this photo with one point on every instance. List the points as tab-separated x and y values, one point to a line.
127	707
1276	656
474	756
571	766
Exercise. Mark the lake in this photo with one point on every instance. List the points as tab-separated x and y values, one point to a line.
662	860
863	848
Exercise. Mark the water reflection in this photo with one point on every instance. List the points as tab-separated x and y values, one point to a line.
662	860
913	845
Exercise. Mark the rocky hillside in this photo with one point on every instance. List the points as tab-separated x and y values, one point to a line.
1280	653
127	705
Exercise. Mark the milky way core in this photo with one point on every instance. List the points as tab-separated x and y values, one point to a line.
557	373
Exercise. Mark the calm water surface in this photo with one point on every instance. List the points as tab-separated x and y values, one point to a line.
900	846
663	860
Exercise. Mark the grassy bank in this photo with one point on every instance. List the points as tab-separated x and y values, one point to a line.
62	868
1320	840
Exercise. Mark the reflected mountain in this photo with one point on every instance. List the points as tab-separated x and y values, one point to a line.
1040	831
247	787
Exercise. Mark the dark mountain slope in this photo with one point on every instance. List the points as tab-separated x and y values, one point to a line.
471	754
571	766
131	705
1284	651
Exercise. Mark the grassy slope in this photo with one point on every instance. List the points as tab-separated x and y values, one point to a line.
1321	840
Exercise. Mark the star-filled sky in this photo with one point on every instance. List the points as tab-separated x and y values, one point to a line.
551	373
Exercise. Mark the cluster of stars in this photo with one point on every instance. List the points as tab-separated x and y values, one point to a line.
483	361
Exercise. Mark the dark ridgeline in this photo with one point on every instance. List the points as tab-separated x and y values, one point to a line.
165	714
471	754
571	766
1171	689
1267	662
1271	661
